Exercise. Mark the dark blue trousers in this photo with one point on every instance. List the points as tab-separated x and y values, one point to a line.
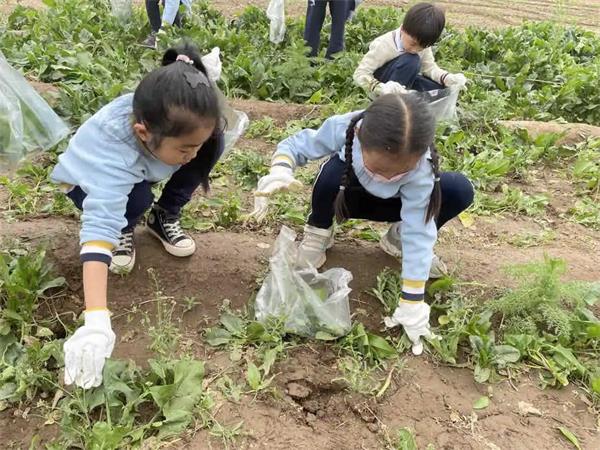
315	16
457	195
177	192
405	70
154	16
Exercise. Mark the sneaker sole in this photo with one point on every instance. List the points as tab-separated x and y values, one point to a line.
122	270
172	249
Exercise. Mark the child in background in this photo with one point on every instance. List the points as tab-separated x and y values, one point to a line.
402	59
384	167
170	128
170	16
315	15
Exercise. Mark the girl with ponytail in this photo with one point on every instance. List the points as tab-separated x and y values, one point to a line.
382	166
169	129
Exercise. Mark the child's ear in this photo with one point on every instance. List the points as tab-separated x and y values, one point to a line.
142	132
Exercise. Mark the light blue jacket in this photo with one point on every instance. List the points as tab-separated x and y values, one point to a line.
418	236
171	9
105	159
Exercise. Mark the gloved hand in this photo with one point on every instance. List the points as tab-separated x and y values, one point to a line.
87	350
213	65
415	320
280	178
455	79
389	87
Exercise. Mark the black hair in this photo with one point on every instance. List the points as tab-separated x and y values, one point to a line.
397	125
165	98
424	22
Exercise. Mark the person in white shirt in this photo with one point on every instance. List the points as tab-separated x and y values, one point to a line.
402	59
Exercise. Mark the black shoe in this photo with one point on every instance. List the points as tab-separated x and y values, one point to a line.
167	229
150	41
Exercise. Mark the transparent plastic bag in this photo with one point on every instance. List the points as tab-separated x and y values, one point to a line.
121	9
276	14
442	103
236	122
27	123
312	304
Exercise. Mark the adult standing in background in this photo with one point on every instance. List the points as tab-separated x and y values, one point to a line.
340	10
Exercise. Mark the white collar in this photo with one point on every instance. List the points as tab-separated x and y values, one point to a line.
398	40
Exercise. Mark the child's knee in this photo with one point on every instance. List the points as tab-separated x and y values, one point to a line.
408	62
465	191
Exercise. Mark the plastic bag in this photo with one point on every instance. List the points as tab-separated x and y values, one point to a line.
236	122
121	9
276	14
312	304
442	103
212	63
27	123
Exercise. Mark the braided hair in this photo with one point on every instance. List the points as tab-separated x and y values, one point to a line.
398	125
341	210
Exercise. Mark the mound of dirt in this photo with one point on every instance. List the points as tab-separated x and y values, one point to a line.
572	133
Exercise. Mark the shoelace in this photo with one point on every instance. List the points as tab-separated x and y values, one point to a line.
125	244
173	230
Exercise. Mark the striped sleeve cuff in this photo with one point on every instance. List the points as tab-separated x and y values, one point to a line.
413	291
96	251
283	160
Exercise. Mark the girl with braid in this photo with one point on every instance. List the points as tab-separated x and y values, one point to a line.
382	166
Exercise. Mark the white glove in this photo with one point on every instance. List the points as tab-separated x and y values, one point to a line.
87	349
389	87
213	65
280	178
415	320
455	79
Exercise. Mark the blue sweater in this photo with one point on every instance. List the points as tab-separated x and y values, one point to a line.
418	236
105	160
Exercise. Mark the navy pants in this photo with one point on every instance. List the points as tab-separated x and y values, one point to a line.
177	192
405	69
315	16
154	16
457	195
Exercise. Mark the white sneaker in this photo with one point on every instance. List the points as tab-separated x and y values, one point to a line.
391	243
438	268
123	258
315	243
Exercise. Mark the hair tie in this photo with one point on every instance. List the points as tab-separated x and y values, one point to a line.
342	188
436	179
185	59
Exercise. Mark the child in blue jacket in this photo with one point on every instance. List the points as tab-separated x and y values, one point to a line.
169	129
382	165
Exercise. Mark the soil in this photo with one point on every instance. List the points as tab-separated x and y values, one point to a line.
572	133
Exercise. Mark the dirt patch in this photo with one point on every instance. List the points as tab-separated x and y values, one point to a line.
572	133
8	5
461	14
279	111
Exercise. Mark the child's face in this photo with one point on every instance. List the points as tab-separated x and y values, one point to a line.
409	43
388	166
177	150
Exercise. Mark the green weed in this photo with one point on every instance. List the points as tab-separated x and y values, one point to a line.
510	200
